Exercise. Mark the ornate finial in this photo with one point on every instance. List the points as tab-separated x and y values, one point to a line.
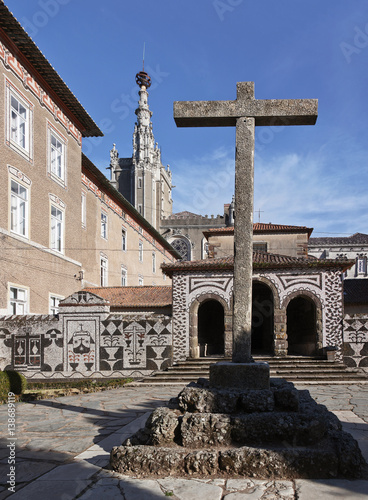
114	155
142	79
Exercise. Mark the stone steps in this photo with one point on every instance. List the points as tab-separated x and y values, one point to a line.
306	370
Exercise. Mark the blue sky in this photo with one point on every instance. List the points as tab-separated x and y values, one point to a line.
197	50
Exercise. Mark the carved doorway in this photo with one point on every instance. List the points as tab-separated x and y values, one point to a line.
301	326
262	319
211	328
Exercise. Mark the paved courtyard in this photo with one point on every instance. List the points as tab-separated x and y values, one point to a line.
63	445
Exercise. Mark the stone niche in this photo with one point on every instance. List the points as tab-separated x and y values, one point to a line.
273	433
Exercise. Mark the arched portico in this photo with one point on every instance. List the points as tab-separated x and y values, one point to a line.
210	326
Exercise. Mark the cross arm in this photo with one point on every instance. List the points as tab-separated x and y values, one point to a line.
205	113
266	112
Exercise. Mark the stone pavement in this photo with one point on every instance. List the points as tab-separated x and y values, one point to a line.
63	445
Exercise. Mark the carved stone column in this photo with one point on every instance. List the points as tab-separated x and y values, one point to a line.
280	335
193	330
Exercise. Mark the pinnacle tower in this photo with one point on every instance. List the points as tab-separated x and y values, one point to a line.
142	178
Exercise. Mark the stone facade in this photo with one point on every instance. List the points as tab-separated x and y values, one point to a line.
280	297
353	247
356	340
184	231
273	238
85	340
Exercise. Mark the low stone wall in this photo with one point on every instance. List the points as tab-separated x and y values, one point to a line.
356	340
85	340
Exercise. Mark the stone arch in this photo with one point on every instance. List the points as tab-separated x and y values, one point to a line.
270	284
303	323
194	347
263	308
182	245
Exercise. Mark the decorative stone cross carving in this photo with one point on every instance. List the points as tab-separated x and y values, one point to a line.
244	113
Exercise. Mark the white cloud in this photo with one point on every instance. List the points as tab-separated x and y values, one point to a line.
204	184
323	189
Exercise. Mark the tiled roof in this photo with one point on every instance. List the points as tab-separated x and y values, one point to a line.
135	296
219	230
30	55
261	260
355	291
260	227
355	239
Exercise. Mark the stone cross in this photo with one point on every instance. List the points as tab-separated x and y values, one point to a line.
244	113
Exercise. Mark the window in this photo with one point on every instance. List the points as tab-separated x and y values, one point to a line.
19	129
182	246
84	210
57	154
140	252
19	209
54	304
57	229
123	240
139	182
361	265
18	300
103	271
140	280
140	209
153	262
123	276
260	247
104	225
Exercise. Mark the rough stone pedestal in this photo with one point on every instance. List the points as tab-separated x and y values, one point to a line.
229	375
274	433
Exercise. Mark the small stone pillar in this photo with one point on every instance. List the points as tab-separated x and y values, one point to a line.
280	334
193	331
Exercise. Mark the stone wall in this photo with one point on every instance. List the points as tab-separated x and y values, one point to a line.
85	340
356	340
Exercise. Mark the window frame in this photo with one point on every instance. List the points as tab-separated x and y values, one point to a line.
154	266
54	309
124	235
124	276
61	225
52	133
104	270
17	301
104	225
140	251
260	246
14	226
25	150
84	209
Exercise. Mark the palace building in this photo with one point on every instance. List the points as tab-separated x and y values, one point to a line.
63	225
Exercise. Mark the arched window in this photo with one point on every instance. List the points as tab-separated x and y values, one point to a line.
183	247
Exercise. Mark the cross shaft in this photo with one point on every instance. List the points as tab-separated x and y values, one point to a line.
245	113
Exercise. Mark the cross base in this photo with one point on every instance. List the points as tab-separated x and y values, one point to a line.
228	375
